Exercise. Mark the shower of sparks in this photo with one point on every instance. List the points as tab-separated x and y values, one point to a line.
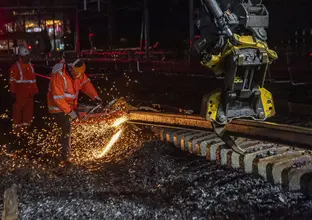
112	141
119	121
39	148
86	143
87	138
4	116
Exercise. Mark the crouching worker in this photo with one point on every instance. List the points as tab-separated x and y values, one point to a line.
66	81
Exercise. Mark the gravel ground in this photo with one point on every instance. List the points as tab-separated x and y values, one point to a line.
150	180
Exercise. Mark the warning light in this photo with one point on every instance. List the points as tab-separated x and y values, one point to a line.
29	47
311	54
91	35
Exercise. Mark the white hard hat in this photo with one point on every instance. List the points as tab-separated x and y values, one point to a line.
23	51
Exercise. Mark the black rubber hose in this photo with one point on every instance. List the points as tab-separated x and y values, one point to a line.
214	8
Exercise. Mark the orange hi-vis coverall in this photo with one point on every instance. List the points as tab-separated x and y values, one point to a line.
63	90
63	98
23	85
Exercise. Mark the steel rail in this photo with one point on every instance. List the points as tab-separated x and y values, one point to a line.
267	131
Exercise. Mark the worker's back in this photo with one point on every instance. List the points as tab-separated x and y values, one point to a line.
23	79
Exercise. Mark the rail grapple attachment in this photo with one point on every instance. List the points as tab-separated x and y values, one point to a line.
258	107
244	65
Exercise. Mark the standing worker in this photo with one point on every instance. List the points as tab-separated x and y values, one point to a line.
66	81
23	88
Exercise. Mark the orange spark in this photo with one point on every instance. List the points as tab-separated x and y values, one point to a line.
119	121
110	144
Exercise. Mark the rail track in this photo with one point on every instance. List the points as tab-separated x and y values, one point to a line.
183	180
277	152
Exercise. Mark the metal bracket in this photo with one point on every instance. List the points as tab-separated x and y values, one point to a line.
220	131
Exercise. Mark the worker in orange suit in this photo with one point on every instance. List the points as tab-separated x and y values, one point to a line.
23	87
66	81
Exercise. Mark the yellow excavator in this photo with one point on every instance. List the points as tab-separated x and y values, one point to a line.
233	45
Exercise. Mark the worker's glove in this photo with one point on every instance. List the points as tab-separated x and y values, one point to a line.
13	96
98	100
73	115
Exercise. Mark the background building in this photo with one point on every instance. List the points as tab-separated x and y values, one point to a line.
41	28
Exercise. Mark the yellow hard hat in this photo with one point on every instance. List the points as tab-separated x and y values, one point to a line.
79	66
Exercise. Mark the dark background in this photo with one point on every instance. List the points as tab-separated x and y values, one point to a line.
170	26
168	20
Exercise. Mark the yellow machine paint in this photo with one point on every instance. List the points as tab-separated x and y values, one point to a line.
267	103
242	42
213	106
216	64
214	101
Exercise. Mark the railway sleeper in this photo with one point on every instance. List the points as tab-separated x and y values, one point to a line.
280	164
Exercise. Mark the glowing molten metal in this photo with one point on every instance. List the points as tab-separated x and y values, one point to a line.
112	141
119	121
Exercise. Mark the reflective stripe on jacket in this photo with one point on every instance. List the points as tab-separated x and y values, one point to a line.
63	90
23	79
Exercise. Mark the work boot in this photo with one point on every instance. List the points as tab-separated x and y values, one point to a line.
68	164
65	164
65	154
